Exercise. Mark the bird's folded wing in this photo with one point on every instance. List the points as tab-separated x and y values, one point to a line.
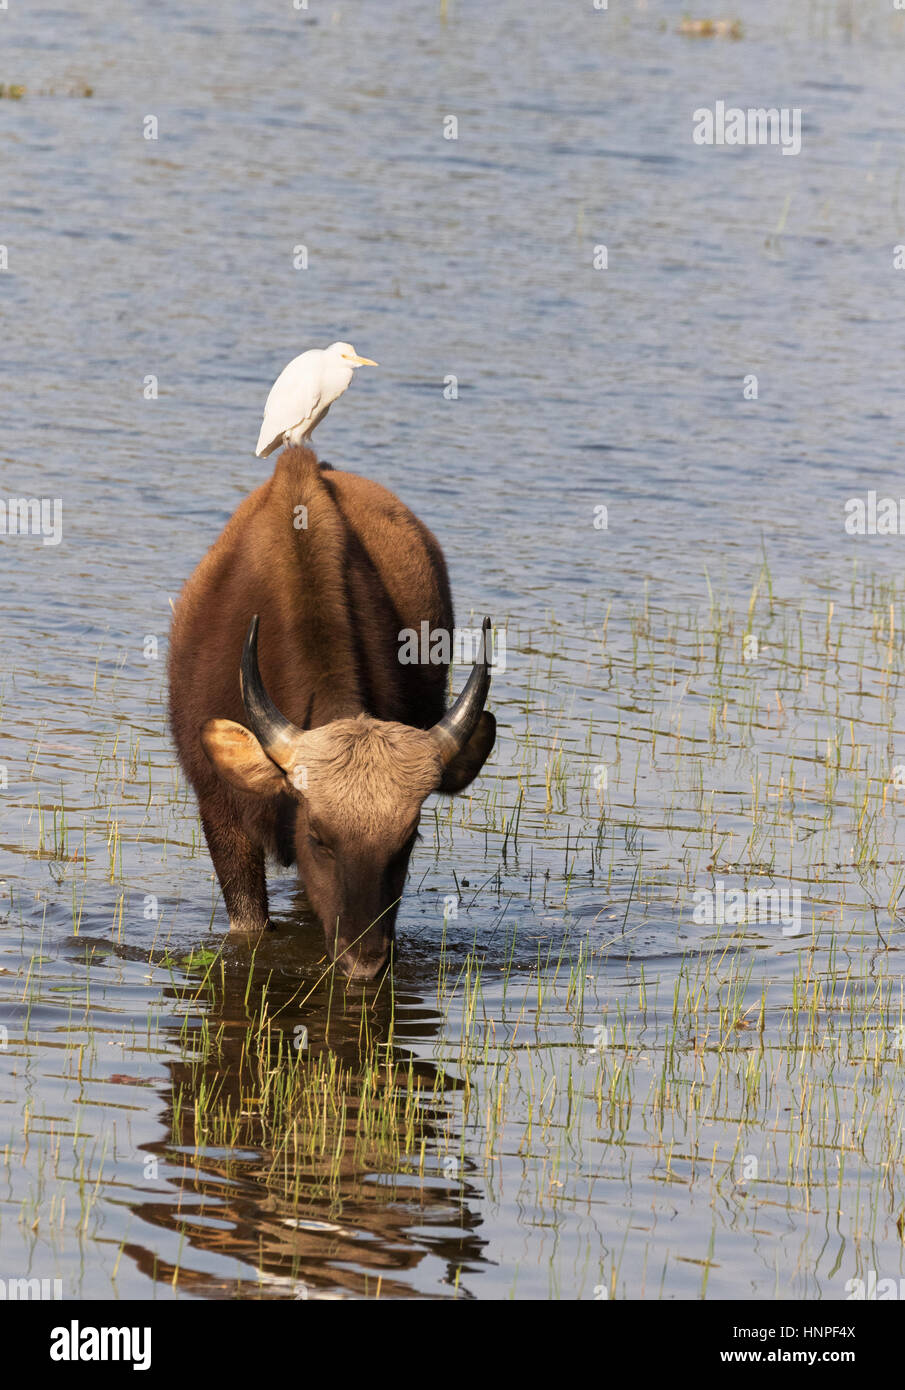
290	402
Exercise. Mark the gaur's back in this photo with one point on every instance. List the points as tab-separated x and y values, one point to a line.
336	566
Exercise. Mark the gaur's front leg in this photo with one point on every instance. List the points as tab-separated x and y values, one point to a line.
239	863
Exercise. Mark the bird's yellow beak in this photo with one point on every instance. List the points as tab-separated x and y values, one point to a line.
362	361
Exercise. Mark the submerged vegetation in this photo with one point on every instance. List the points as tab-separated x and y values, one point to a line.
14	91
712	28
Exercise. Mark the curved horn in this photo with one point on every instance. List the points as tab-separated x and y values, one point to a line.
459	723
277	735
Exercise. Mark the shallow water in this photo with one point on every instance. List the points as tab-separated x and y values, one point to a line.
585	1163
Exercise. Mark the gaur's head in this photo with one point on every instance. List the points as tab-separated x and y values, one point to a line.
359	784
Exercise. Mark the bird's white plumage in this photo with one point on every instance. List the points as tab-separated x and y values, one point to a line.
304	392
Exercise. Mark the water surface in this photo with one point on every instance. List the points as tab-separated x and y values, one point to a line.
522	1151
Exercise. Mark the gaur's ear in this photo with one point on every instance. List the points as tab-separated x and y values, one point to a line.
466	765
240	759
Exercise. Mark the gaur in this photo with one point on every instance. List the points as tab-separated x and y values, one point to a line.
303	735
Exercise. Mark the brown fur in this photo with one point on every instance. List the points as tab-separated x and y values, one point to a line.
332	598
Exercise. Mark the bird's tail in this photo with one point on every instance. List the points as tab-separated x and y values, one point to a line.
263	450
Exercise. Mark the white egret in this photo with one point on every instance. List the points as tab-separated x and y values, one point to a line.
304	392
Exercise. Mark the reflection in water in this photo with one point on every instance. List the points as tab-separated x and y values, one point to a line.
307	1142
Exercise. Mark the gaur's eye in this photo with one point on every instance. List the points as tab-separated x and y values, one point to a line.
317	844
